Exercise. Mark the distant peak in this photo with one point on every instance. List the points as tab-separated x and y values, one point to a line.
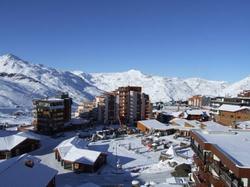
134	71
10	56
12	60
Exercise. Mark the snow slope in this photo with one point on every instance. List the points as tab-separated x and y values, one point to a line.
159	88
21	81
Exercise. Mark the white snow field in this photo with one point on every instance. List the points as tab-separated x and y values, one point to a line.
137	163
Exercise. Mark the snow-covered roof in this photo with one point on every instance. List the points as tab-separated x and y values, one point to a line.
183	122
194	112
232	108
75	150
235	145
213	126
14	172
171	113
89	184
243	124
10	141
154	125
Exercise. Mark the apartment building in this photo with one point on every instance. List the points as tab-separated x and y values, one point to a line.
199	101
126	105
100	106
221	158
231	114
218	101
146	107
244	93
67	106
50	114
85	109
111	108
130	102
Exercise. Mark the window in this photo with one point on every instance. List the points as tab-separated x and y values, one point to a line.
76	166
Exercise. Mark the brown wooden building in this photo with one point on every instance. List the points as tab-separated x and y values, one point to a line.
74	155
147	126
222	159
17	144
231	114
198	115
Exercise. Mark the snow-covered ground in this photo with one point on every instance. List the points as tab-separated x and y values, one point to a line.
138	162
15	116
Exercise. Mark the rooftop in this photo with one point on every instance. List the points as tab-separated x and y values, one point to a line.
154	124
232	108
183	122
75	150
15	172
10	140
196	112
234	145
243	125
213	126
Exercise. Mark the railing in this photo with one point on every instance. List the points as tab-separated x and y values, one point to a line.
198	152
225	176
200	182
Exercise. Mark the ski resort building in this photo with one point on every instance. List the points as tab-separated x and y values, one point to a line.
147	126
15	144
129	99
221	158
244	93
240	101
51	114
198	115
126	105
184	127
85	110
110	108
74	155
167	116
229	115
25	171
199	101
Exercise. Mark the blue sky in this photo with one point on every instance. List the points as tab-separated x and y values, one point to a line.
176	38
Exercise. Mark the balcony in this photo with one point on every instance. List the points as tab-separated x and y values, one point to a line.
227	178
198	161
200	179
197	152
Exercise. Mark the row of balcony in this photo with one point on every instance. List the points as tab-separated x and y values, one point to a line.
228	179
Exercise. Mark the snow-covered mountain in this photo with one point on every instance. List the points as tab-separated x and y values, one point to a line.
21	81
159	88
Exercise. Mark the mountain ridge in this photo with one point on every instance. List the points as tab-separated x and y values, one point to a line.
21	81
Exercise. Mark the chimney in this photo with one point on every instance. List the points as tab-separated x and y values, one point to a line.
29	163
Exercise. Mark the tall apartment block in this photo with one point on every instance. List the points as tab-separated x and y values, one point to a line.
100	106
126	105
129	101
110	108
49	115
146	107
